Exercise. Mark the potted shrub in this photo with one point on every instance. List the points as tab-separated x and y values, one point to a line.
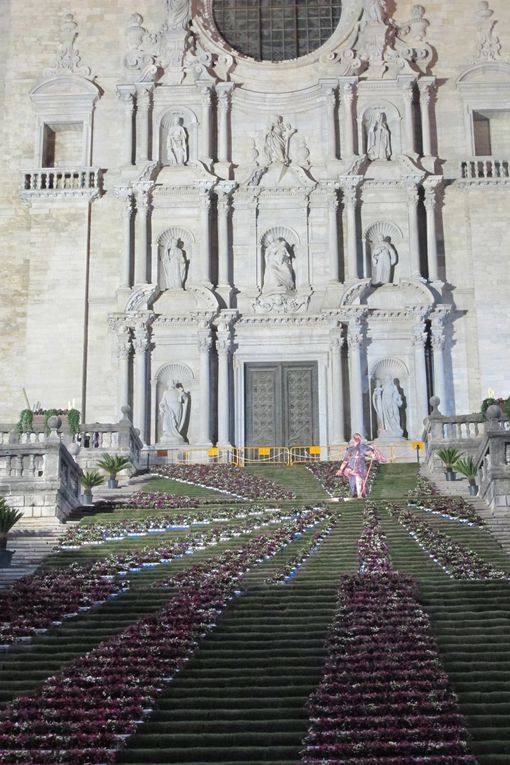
8	517
467	468
90	479
113	464
449	457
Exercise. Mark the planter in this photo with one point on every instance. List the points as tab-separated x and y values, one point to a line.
6	558
113	483
451	475
473	489
86	499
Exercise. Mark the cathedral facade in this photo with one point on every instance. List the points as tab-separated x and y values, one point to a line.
255	223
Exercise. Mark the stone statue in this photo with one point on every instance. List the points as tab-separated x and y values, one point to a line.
278	272
173	409
276	145
174	265
179	14
387	403
379	137
384	257
375	10
177	142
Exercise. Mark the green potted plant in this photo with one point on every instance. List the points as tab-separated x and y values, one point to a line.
90	479
25	422
449	457
113	464
8	517
467	468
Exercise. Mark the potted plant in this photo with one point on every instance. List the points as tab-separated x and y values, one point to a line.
449	457
113	464
467	468
90	479
8	517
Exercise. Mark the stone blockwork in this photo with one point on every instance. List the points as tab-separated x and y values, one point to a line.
171	212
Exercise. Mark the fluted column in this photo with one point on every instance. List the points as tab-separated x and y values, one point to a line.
204	346
205	94
224	191
127	95
224	92
426	87
144	103
408	94
330	101
125	195
205	237
355	341
438	346
349	119
223	347
431	186
143	208
350	186
414	236
123	353
141	347
420	371
334	259
337	435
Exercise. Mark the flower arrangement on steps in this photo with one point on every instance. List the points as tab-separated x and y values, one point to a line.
226	478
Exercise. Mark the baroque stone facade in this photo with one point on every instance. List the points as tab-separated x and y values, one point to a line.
204	236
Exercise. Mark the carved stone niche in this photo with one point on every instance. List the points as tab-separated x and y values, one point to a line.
64	108
173	391
379	129
381	243
389	381
174	252
178	136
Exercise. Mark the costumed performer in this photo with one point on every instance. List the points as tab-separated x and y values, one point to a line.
357	464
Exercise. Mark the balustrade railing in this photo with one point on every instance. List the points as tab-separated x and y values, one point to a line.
60	179
484	168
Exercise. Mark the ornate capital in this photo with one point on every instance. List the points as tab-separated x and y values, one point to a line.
407	87
336	343
223	344
204	343
350	187
411	187
125	195
419	337
438	341
330	98
141	339
127	96
144	93
206	95
348	90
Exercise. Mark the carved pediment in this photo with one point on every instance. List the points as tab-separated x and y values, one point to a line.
278	176
492	72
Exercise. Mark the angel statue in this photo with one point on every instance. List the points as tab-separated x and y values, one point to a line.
173	409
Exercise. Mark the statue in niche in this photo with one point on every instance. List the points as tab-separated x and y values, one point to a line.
278	272
173	410
375	10
384	257
178	14
379	137
387	404
174	266
177	142
276	144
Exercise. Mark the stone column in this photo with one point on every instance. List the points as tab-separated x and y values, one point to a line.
223	347
414	237
426	86
408	94
224	91
205	93
350	186
127	95
125	194
143	207
330	100
204	275
337	434
144	102
334	259
224	190
204	345
348	91
438	346
141	347
123	352
420	369
431	185
354	342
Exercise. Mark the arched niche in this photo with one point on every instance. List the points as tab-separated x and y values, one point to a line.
186	243
390	377
167	376
292	240
393	120
188	121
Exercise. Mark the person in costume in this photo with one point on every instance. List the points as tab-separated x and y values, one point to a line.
357	464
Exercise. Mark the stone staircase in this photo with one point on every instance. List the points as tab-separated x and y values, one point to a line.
31	547
498	521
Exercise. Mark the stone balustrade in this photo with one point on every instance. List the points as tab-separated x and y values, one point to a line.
80	181
493	460
484	169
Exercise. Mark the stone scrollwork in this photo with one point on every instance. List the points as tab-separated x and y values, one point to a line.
489	45
280	304
68	60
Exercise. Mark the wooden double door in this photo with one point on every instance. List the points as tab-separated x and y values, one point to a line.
281	404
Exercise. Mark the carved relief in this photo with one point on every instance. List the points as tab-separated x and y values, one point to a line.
489	46
276	143
378	137
174	247
68	60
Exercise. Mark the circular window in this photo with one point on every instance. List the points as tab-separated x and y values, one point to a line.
276	30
